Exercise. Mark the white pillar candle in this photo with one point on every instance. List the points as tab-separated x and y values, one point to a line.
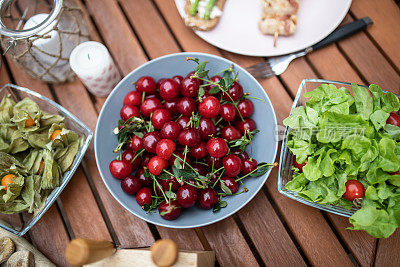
49	43
93	64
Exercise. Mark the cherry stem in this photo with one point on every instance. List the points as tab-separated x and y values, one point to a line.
162	191
265	165
137	154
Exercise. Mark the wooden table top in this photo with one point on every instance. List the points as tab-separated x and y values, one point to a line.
271	229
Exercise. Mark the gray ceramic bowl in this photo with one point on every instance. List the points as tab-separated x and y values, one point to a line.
265	145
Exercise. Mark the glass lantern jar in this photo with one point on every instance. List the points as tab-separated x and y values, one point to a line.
41	34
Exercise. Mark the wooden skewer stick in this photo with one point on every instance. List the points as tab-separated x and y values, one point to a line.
275	37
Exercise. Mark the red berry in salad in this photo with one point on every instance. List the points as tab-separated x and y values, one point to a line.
207	198
157	164
133	98
217	147
146	84
160	117
393	119
354	189
298	165
131	185
129	111
186	196
210	107
143	196
232	165
165	148
169	211
120	168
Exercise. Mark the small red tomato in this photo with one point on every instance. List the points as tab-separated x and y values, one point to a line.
298	165
165	148
157	164
393	119
354	189
120	168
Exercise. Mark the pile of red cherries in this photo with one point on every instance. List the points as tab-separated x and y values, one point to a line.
185	144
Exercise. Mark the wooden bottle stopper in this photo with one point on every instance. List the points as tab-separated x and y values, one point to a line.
164	253
84	251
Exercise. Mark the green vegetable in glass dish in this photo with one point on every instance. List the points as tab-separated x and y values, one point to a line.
36	149
346	150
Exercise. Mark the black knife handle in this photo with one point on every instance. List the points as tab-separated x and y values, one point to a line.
343	32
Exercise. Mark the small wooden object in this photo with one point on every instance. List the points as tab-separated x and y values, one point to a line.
163	253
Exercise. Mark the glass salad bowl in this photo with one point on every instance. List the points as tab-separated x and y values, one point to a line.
286	157
20	223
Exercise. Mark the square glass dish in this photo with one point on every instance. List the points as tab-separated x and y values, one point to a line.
286	157
20	223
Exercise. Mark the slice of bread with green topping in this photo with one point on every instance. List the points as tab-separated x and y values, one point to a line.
199	17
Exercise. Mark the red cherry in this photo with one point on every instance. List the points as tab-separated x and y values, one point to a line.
133	98
145	181
189	137
242	155
246	108
214	79
143	196
159	82
206	128
178	79
232	165
169	89
183	121
186	106
155	95
172	107
157	164
190	74
228	112
128	111
169	211
217	162
248	166
298	165
354	189
230	183
136	143
199	151
393	119
146	158
217	147
171	130
180	157
165	148
207	198
131	185
160	117
235	92
120	168
190	87
171	182
150	141
199	168
149	106
129	155
210	107
230	133
246	124
146	84
186	196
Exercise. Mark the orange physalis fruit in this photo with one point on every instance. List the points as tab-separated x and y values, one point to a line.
40	167
7	179
29	122
55	134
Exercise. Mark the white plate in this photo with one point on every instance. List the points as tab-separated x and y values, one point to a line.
237	30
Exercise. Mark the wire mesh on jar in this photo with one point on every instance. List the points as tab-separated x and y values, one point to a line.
41	34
